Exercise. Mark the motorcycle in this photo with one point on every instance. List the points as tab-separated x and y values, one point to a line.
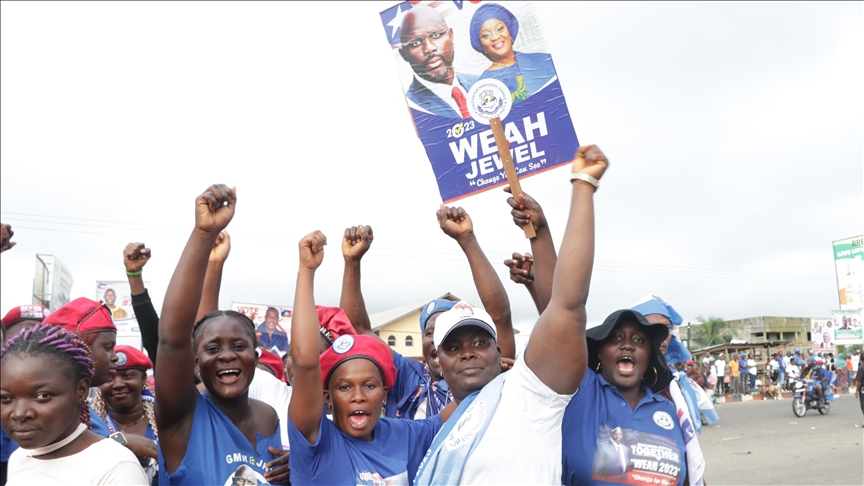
805	398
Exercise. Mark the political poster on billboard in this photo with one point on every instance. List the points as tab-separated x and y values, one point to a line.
272	324
462	64
847	327
849	261
118	297
822	334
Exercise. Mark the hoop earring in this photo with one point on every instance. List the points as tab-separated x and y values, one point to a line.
655	377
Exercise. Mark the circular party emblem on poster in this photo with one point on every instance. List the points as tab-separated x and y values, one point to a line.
487	99
664	420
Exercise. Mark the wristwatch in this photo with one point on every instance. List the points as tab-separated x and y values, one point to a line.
119	437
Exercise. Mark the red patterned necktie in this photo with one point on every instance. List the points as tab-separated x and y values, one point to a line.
460	100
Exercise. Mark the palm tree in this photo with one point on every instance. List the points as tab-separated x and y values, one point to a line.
711	331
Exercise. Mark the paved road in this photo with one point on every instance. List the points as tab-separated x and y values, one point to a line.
765	443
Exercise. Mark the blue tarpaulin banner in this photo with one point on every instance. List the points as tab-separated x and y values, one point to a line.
464	63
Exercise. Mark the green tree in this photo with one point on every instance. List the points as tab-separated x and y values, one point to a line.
711	331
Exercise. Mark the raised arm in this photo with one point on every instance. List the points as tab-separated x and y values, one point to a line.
135	256
307	399
213	276
528	211
456	223
355	243
176	359
557	351
519	273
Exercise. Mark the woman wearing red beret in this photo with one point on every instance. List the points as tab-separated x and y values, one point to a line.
126	403
357	447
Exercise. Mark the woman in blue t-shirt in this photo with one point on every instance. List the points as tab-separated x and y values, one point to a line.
204	438
357	447
618	429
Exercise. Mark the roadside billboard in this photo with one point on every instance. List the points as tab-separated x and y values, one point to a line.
848	255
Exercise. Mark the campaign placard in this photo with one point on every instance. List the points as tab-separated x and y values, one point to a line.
847	327
117	295
462	64
272	324
822	334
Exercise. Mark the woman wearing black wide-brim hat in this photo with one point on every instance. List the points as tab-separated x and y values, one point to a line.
617	418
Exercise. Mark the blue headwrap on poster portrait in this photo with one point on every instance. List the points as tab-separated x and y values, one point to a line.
487	12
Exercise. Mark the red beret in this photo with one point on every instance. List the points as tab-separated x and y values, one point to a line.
358	346
25	313
129	357
272	361
82	315
334	320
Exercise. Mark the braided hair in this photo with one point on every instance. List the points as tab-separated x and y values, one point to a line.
102	410
58	343
196	330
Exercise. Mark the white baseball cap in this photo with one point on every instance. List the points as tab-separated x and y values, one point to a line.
462	314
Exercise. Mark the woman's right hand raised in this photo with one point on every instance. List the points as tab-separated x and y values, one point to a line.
215	208
590	160
312	250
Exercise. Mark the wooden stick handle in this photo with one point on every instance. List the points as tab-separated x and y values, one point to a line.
509	168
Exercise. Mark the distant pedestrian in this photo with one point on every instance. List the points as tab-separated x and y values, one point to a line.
840	365
751	368
859	384
735	374
720	366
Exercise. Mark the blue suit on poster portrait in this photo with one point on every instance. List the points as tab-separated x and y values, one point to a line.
429	101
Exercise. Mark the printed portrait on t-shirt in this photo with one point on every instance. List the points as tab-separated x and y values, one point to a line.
246	476
628	456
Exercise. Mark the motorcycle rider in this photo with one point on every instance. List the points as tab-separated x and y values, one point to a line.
814	371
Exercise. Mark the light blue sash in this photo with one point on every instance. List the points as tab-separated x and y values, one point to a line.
457	439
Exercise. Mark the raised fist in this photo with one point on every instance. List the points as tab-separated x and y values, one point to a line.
215	208
590	160
312	250
519	274
6	235
356	242
135	256
454	222
221	248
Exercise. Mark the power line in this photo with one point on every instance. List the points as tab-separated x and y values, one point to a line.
429	253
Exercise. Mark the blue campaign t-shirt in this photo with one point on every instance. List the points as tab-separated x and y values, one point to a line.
7	446
392	457
97	424
604	441
413	386
218	451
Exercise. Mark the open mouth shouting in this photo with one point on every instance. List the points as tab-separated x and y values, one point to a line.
359	419
626	366
228	376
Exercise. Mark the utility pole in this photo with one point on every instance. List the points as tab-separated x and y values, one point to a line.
689	347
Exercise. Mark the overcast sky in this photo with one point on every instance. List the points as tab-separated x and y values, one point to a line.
735	133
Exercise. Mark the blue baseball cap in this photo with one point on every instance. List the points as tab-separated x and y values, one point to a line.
437	305
651	304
